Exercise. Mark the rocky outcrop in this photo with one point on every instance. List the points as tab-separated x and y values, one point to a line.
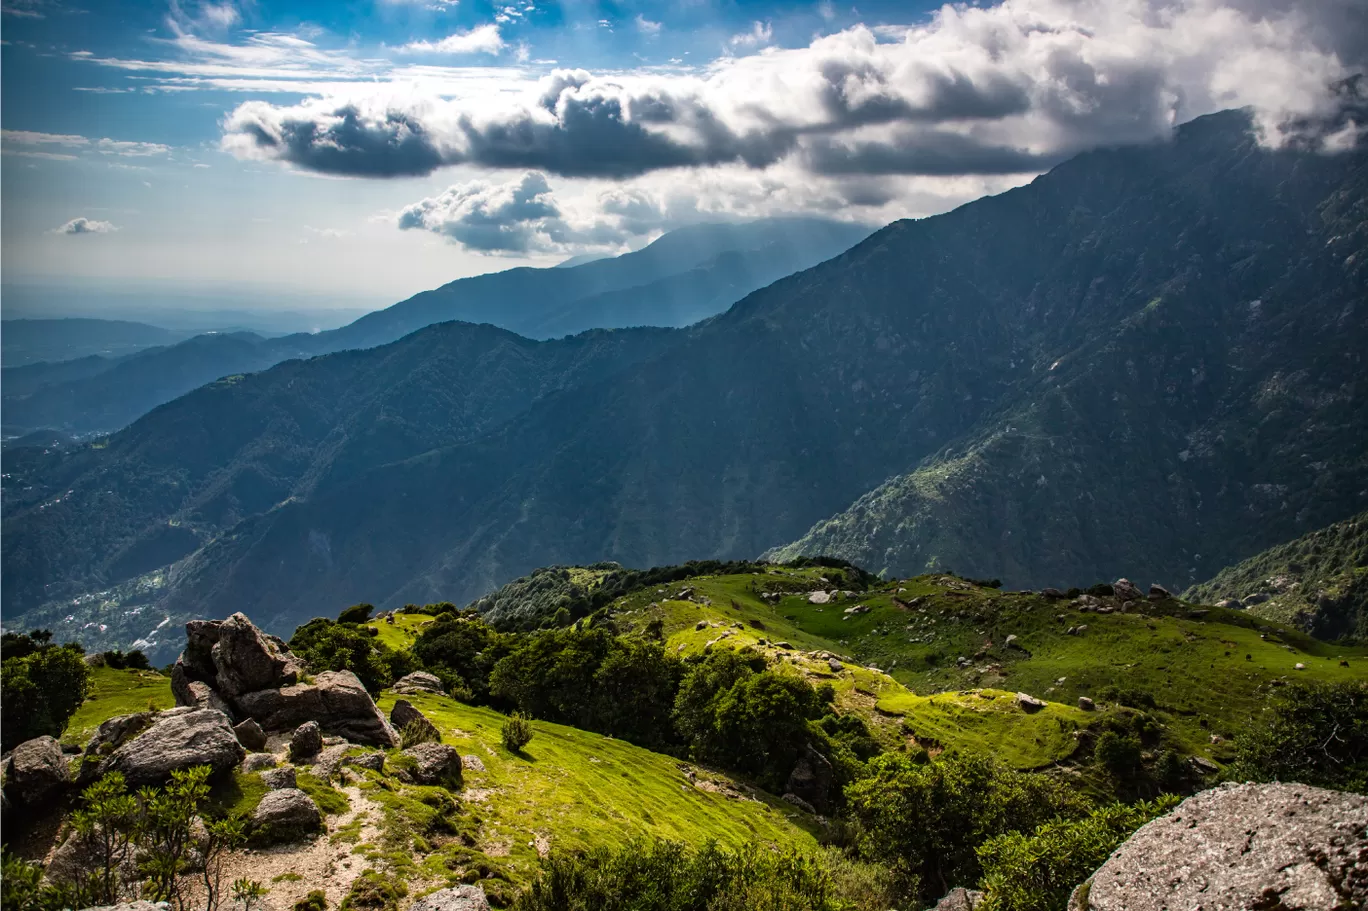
459	898
1029	703
117	731
280	778
959	899
35	771
306	742
285	815
1288	847
336	700
417	682
177	739
811	779
246	660
1126	590
434	764
250	735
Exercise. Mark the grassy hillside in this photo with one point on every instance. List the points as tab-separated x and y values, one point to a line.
114	693
401	633
1319	582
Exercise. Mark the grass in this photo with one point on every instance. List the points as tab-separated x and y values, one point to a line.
585	790
114	693
402	632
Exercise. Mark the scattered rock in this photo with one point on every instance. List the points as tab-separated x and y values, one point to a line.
1126	590
1053	594
403	714
800	803
285	815
178	739
375	761
1029	703
1010	642
336	701
1157	592
434	764
1299	666
858	609
35	771
250	735
1197	614
306	742
458	898
786	646
418	682
1086	704
280	778
819	598
835	665
195	693
473	763
959	899
701	624
1229	604
255	762
1285	846
1256	598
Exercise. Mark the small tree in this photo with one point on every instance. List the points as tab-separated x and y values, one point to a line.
249	893
1119	754
517	732
106	825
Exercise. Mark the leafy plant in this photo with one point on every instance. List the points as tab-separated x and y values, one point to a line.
372	891
249	894
417	731
516	732
44	685
1316	733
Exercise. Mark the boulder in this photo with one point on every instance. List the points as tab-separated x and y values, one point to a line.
375	761
250	735
1286	846
306	742
819	598
35	771
189	691
959	899
800	803
434	764
403	714
811	779
1053	594
117	731
1086	704
1126	590
336	700
457	898
285	815
247	660
178	739
835	665
255	762
418	682
279	778
1157	592
1029	703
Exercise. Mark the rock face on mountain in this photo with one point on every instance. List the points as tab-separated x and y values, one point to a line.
35	771
1286	846
252	675
177	739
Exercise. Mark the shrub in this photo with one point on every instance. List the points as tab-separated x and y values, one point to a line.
372	891
335	646
417	731
1119	754
317	900
1315	733
1037	871
44	685
1132	698
516	732
357	613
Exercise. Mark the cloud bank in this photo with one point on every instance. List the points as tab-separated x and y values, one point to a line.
85	225
1008	89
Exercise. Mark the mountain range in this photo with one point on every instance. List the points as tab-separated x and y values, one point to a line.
1147	362
684	276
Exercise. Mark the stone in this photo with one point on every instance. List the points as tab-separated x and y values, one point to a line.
1052	593
858	609
1286	846
473	763
374	761
800	803
786	646
282	777
117	731
959	899
139	905
178	739
1229	604
247	660
819	598
285	815
1126	590
1010	642
1157	592
255	762
1029	703
1086	704
701	624
434	764
811	778
250	735
35	771
336	700
306	742
1256	598
404	714
457	898
835	665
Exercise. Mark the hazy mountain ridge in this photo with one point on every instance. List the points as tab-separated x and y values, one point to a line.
30	341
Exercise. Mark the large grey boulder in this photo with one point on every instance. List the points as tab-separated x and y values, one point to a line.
117	731
459	898
306	742
1288	847
285	815
959	899
417	682
250	735
434	764
178	739
35	771
247	660
336	700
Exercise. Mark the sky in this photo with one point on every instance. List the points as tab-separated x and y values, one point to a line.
341	153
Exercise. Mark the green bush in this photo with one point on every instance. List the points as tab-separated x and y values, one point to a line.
516	732
317	900
926	819
43	686
357	613
1038	871
1314	733
326	645
417	731
1119	754
373	891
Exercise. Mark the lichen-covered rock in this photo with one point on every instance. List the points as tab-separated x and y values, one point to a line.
255	762
285	815
247	660
959	899
306	742
336	700
418	682
35	771
374	761
1126	590
434	764
458	898
1286	846
178	739
279	778
117	731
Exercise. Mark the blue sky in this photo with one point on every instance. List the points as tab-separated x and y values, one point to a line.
353	153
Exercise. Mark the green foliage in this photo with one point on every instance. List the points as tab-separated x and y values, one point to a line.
516	732
1119	754
926	820
417	731
107	825
1315	733
1037	871
248	894
357	613
317	900
372	891
669	876
462	650
22	887
133	661
44	685
328	645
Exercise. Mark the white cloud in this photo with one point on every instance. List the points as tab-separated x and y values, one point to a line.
85	225
646	26
760	34
484	39
131	149
30	138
